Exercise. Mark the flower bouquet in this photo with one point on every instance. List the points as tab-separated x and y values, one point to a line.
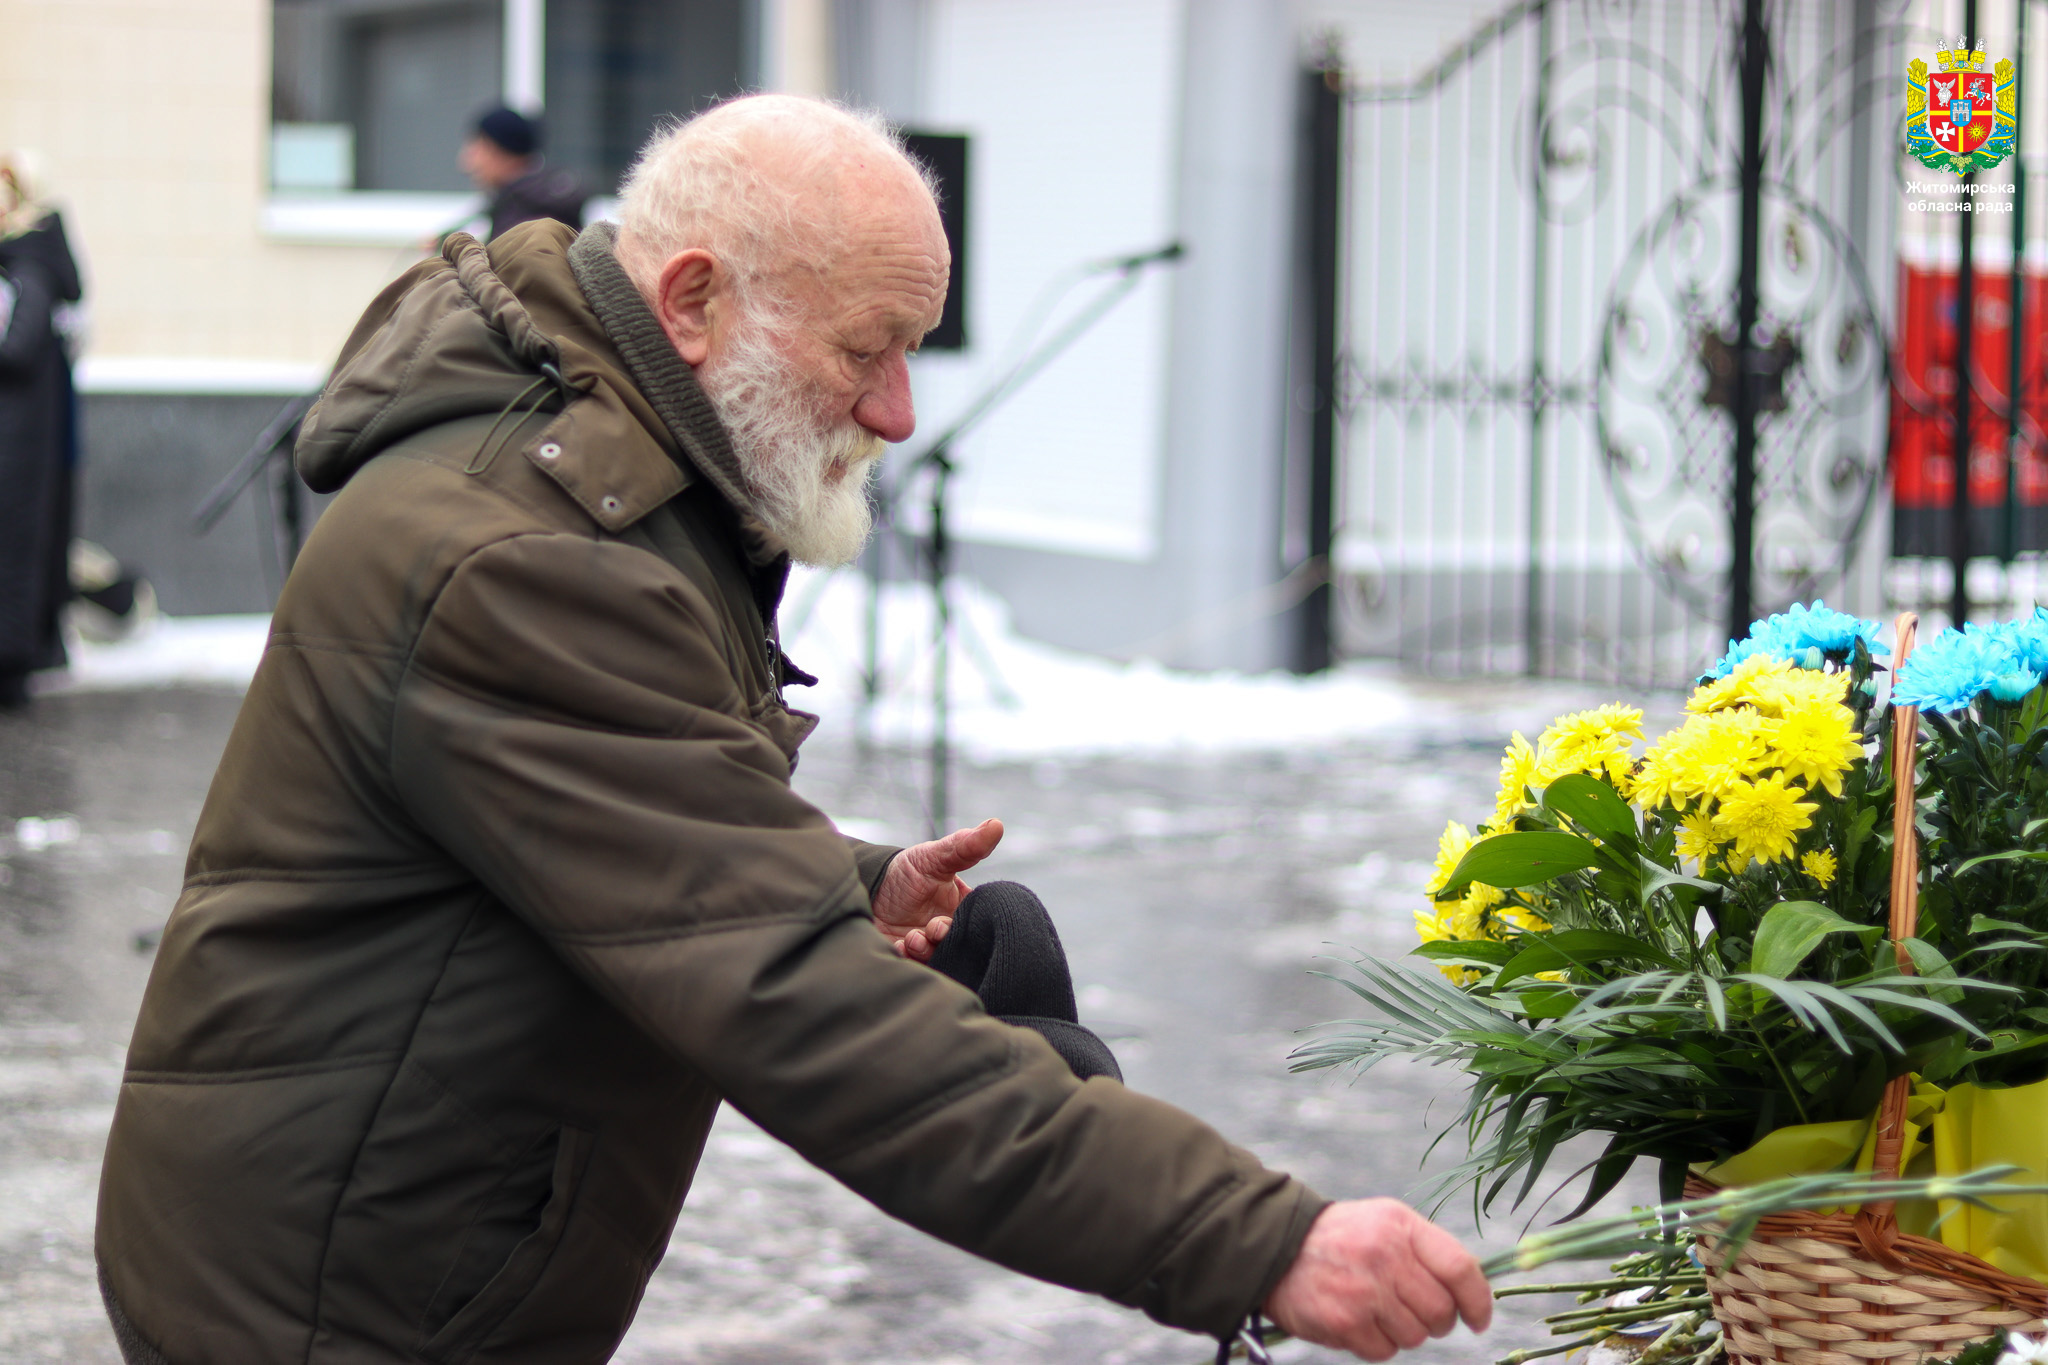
1718	953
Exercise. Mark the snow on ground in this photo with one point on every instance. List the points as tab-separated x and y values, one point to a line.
165	652
1010	697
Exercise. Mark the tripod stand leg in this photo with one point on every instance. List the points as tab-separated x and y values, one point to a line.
942	647
871	643
291	510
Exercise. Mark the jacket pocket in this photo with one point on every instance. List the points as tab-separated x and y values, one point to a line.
459	1337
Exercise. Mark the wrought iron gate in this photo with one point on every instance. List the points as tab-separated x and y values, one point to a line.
1566	244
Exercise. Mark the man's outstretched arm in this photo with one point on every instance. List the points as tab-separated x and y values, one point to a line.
566	730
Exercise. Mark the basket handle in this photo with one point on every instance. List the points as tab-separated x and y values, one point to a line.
1877	1224
1905	846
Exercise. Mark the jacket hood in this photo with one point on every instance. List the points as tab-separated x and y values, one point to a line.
544	319
446	340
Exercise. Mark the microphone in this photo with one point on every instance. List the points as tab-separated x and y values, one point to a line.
1172	251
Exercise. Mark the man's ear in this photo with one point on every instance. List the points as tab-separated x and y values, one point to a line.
682	302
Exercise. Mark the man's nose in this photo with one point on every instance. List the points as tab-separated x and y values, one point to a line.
885	408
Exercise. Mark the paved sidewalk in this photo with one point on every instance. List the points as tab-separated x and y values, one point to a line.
1193	895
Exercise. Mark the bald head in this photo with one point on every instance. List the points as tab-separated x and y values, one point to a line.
768	185
794	257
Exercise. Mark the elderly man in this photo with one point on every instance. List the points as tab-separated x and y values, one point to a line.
502	888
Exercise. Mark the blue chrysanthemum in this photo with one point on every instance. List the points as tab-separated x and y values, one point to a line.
1832	632
1793	635
1956	667
2030	639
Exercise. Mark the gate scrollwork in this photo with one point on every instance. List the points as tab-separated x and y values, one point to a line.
1666	377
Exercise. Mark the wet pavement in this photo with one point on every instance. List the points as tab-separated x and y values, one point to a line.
1193	895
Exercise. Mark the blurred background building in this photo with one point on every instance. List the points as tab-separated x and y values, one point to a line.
1452	370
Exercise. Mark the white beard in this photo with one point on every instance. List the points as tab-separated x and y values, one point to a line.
807	474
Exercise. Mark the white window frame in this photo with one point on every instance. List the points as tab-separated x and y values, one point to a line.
403	217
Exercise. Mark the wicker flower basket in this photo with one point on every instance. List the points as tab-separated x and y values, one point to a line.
1841	1289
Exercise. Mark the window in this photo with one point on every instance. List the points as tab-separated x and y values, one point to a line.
379	94
616	68
371	99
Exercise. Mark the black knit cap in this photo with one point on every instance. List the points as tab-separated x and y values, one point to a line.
511	130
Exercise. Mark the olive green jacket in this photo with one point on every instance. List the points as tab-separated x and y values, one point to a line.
501	887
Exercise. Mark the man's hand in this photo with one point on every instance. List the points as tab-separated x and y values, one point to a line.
914	904
1374	1277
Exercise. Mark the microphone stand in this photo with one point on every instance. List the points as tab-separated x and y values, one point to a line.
938	543
274	442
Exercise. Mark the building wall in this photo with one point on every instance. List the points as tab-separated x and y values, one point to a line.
1133	499
1073	109
1129	501
151	118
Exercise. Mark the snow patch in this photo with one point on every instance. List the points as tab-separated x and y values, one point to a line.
1010	698
181	651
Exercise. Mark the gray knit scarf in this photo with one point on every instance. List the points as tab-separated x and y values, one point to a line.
657	371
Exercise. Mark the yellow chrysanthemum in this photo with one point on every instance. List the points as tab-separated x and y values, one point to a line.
1482	898
1451	847
1595	741
1697	838
1703	758
1651	784
1612	758
1478	914
1448	920
1814	744
1772	686
1799	687
1819	865
1520	769
1730	749
1762	819
1737	689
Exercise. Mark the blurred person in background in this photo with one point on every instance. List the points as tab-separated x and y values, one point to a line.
503	159
38	429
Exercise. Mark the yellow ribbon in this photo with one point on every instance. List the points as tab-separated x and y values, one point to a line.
1948	1132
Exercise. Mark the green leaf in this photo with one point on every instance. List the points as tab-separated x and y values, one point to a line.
1656	877
1984	924
1523	858
2005	1041
1466	952
1546	1000
1791	930
1716	1000
1593	806
1549	952
1607	1173
2035	855
1928	961
1808	1001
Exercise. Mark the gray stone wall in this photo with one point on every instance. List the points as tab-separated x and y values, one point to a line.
148	460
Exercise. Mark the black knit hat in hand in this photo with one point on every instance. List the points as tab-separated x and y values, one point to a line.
1002	946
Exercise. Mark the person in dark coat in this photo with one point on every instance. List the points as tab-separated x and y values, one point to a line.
503	158
38	439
